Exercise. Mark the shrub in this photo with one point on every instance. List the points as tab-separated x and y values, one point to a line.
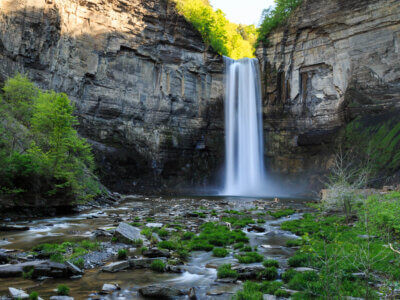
282	213
170	245
163	233
220	252
300	281
33	296
122	254
269	287
276	16
157	265
294	243
249	258
299	260
63	290
281	294
187	235
225	271
183	254
270	273
288	275
238	245
79	262
271	263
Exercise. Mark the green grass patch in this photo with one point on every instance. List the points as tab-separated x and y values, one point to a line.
225	271
282	213
249	258
158	265
220	252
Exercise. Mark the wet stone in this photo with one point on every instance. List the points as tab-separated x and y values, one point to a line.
128	232
161	291
17	294
154	252
116	266
110	287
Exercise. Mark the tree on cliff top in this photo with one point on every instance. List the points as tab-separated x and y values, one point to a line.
276	16
226	38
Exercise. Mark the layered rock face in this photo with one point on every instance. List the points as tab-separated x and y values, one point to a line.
334	61
148	93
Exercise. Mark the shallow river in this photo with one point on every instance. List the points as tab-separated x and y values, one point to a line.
200	271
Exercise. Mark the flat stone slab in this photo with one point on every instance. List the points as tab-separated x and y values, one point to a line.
304	269
143	263
161	292
61	298
18	294
116	266
107	287
154	225
128	232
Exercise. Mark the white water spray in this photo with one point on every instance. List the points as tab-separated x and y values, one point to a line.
244	167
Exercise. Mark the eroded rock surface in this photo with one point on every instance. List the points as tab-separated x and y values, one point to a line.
334	61
148	93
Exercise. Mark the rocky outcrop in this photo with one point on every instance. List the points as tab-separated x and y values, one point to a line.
333	62
147	91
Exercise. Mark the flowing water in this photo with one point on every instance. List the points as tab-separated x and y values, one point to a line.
199	271
244	166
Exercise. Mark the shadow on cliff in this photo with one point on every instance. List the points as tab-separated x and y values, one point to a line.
104	72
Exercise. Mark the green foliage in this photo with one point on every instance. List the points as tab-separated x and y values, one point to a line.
187	235
229	39
170	245
282	213
252	290
249	258
269	273
79	262
158	265
122	253
66	250
238	222
271	263
276	16
163	233
225	271
63	290
294	243
220	252
33	296
378	140
39	148
27	273
288	275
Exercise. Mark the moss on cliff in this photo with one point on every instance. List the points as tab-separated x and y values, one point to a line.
378	139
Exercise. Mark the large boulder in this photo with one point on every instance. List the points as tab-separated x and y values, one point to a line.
143	263
160	292
127	232
116	266
38	268
154	252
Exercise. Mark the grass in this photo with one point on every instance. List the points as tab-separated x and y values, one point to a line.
238	222
158	265
60	252
271	263
294	243
33	296
169	245
249	258
220	252
122	254
225	271
282	213
63	290
269	273
79	262
255	291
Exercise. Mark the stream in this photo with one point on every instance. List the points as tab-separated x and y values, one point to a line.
200	270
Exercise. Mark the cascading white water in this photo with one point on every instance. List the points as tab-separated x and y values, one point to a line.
244	167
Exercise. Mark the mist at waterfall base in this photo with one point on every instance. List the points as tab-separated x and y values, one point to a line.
244	172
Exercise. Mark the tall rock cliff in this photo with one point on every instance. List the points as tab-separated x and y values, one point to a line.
147	91
334	62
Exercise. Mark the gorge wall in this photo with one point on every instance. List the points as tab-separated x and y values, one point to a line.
149	95
335	63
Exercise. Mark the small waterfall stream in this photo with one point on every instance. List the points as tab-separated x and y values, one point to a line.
244	167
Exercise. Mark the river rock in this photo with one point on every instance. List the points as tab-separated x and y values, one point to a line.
256	228
161	292
128	232
110	287
154	252
61	298
143	263
305	269
269	297
40	268
248	272
101	233
13	228
73	268
154	225
116	266
18	294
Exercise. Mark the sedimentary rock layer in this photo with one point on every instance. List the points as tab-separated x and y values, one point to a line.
333	61
147	91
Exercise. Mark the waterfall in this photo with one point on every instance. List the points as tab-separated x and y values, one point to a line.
244	166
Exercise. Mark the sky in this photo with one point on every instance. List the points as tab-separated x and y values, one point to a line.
242	11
